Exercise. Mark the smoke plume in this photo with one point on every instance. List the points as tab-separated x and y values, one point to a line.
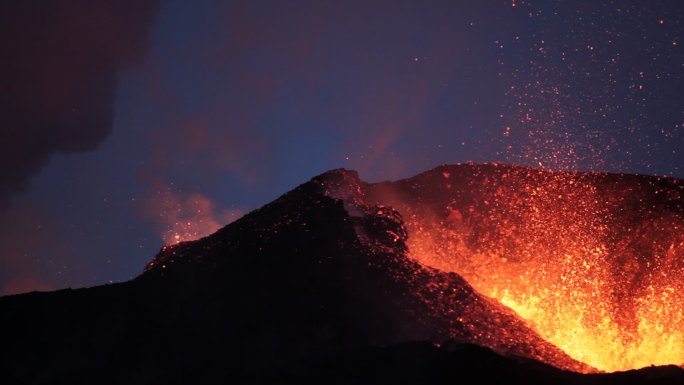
59	78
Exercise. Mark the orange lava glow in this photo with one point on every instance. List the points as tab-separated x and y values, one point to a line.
191	216
593	262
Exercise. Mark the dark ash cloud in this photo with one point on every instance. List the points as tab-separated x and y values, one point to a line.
58	78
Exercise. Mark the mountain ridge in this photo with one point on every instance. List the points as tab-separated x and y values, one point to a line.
318	272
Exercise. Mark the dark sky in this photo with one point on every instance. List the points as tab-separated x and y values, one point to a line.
131	123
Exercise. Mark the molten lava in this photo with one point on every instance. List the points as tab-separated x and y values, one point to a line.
593	262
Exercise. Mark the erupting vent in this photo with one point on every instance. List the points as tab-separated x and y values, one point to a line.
593	262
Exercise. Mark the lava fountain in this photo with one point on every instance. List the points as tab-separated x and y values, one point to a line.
593	262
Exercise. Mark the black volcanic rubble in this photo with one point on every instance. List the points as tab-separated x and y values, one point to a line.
315	287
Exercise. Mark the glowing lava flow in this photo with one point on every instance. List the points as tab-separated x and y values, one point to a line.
594	262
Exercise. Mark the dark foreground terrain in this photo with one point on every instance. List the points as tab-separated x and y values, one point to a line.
315	287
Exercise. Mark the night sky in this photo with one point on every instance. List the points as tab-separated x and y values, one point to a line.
128	124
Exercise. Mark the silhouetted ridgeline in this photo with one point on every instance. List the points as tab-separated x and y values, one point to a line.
315	287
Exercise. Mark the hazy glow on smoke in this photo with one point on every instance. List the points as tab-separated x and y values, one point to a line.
186	217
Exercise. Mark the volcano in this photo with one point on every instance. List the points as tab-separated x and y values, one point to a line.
465	272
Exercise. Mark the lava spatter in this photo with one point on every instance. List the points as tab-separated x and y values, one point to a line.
592	261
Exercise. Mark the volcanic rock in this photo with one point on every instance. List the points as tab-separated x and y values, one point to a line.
317	286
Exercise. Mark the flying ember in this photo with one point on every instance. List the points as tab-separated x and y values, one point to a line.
593	262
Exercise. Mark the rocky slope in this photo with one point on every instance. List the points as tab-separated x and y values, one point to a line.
318	285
